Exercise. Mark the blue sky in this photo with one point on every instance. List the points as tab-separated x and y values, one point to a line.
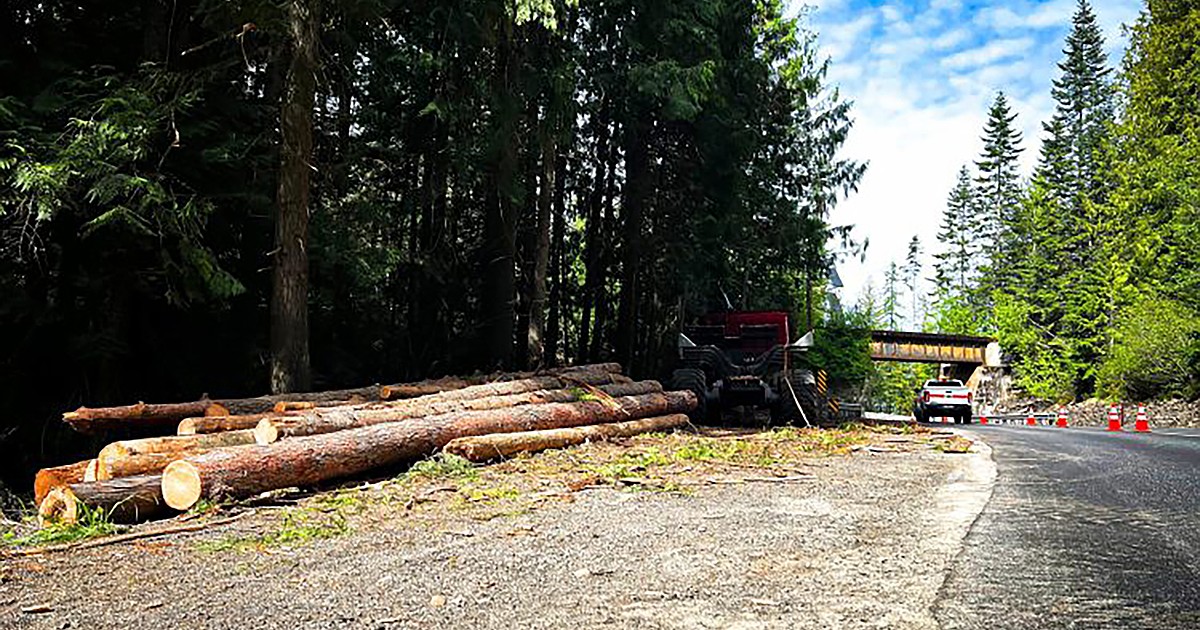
922	75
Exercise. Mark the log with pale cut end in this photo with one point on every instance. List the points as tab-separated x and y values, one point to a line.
329	420
452	383
484	448
217	424
48	478
89	473
124	500
243	471
150	455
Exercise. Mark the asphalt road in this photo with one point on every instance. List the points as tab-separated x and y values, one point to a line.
1085	529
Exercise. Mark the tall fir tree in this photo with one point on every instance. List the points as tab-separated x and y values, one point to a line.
1072	154
999	192
955	265
912	280
891	296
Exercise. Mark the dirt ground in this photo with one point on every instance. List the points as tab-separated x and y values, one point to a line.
774	529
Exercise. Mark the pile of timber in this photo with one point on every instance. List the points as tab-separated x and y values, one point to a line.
238	448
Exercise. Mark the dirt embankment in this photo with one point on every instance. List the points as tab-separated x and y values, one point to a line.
777	529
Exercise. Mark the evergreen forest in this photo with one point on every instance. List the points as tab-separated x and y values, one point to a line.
234	198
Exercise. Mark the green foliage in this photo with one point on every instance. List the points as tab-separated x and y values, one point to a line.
1155	353
442	466
842	347
91	523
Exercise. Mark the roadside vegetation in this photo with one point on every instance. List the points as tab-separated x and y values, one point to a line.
1086	271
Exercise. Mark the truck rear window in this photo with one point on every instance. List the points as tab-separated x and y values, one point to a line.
944	384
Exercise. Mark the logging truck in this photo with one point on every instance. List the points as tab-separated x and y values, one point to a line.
748	359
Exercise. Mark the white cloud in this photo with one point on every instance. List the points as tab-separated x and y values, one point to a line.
989	53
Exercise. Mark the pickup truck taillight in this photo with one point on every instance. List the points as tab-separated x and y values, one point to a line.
968	396
925	396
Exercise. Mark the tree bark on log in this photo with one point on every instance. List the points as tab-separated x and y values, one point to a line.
451	383
484	448
329	420
217	424
48	478
124	500
152	416
244	471
151	455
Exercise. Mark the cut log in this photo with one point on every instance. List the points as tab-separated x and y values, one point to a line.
161	416
484	448
89	473
329	420
437	386
243	471
124	500
48	478
151	455
217	424
293	405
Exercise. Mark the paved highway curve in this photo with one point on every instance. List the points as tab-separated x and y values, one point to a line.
1085	529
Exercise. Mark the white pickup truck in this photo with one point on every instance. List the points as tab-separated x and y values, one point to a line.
945	398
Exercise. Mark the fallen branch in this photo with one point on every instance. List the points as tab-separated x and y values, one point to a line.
88	544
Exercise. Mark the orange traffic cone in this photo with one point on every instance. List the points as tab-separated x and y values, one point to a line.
1031	421
1142	423
1062	419
982	419
1114	418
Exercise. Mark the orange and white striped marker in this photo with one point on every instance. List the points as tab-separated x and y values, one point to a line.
1031	421
1062	419
1142	423
1114	418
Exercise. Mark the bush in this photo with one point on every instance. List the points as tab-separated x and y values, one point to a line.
1155	352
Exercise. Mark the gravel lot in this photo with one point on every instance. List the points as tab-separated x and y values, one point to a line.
864	544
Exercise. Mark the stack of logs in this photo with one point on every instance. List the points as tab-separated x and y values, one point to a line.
234	449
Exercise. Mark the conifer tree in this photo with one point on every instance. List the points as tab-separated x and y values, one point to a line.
912	278
999	189
955	266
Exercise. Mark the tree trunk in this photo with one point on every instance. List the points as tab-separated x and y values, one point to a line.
124	500
604	262
48	478
500	221
244	471
535	346
558	256
290	369
150	455
637	177
273	429
504	445
592	234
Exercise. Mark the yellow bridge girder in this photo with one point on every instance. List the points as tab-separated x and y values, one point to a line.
928	348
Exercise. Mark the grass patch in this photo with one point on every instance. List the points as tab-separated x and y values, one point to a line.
92	523
441	466
296	528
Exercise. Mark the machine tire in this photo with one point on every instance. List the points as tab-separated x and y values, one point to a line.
694	380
